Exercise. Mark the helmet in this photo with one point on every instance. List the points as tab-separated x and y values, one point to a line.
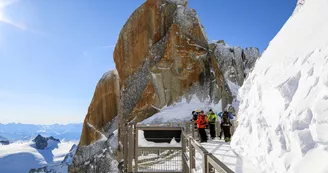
210	110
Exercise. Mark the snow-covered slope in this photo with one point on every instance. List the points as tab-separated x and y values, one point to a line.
181	111
20	157
61	167
283	115
14	132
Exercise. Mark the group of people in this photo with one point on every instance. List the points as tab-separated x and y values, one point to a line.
204	121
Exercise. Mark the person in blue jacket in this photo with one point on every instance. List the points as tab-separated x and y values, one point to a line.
231	117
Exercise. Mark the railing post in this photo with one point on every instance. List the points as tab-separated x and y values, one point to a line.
205	162
136	149
125	148
193	130
131	152
209	166
191	156
183	151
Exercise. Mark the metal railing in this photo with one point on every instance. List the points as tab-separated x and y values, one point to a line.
168	159
155	159
209	164
215	165
147	159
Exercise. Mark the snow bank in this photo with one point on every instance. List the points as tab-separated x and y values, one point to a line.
283	114
181	112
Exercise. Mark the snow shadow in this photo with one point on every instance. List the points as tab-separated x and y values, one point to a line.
47	152
18	163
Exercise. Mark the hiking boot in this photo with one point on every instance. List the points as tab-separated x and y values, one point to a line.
227	139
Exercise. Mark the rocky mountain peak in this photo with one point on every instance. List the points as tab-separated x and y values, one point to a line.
162	56
4	141
42	142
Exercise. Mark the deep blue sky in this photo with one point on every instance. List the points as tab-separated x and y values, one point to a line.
53	52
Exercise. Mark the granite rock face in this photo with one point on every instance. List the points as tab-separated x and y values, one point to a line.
160	60
234	63
99	127
102	110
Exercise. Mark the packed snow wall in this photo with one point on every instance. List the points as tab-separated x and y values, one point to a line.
283	115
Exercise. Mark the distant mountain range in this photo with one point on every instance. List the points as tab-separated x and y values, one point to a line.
16	131
26	156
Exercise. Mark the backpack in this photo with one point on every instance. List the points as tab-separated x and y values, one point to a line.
225	117
203	119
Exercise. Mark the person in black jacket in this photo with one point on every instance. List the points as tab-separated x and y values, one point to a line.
225	126
194	117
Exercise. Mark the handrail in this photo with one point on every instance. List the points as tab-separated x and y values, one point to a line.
212	161
198	147
156	128
189	145
162	148
209	161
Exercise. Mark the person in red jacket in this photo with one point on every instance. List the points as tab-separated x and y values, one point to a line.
202	122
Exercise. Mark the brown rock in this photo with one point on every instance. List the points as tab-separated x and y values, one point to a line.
168	50
103	108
